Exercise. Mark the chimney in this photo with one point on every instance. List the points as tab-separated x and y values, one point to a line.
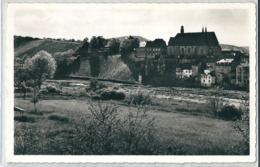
182	29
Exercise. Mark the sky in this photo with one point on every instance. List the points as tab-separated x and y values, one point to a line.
232	24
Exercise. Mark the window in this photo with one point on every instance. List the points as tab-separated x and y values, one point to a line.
204	80
209	80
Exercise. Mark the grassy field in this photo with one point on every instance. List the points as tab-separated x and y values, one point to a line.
182	119
193	135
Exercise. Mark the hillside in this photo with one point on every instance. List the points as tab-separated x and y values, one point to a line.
111	68
139	37
243	49
31	46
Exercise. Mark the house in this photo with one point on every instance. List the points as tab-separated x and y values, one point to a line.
155	48
184	71
142	44
194	45
242	75
225	70
207	79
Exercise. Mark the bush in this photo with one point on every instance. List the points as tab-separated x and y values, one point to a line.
58	118
140	98
108	94
112	95
103	132
24	119
52	89
230	113
95	85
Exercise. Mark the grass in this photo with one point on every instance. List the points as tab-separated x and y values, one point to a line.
196	134
58	118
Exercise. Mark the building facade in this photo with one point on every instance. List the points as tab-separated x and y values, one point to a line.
207	79
225	70
194	45
155	48
242	75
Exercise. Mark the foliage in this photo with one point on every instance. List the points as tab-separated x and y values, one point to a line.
140	98
95	85
113	45
40	66
104	133
108	94
230	112
215	101
58	118
24	119
128	45
52	89
242	126
65	62
97	42
83	49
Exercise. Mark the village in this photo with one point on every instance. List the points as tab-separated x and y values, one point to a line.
198	57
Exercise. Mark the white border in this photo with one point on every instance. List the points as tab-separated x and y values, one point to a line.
9	101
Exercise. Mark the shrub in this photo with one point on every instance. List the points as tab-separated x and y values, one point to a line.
95	85
103	132
24	119
112	95
52	89
230	113
140	98
58	118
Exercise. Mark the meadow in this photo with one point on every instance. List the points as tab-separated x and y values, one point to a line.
182	121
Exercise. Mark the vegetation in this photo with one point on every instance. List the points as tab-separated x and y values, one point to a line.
39	67
140	98
230	112
129	44
58	118
113	45
24	119
65	62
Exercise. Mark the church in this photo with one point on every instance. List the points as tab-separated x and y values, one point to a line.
195	45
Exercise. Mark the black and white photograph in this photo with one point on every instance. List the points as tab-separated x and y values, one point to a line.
133	79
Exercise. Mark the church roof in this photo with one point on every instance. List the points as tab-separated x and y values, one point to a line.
156	43
194	39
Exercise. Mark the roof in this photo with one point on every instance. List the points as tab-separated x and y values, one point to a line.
194	39
225	61
156	43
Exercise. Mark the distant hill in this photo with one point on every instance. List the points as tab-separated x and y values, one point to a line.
30	46
139	37
243	49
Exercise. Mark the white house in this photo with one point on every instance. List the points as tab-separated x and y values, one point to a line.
207	79
142	44
186	73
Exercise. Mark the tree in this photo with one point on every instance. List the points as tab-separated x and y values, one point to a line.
101	42
83	49
128	45
41	66
113	45
93	43
64	61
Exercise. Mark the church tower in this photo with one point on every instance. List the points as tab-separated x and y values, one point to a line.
182	30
